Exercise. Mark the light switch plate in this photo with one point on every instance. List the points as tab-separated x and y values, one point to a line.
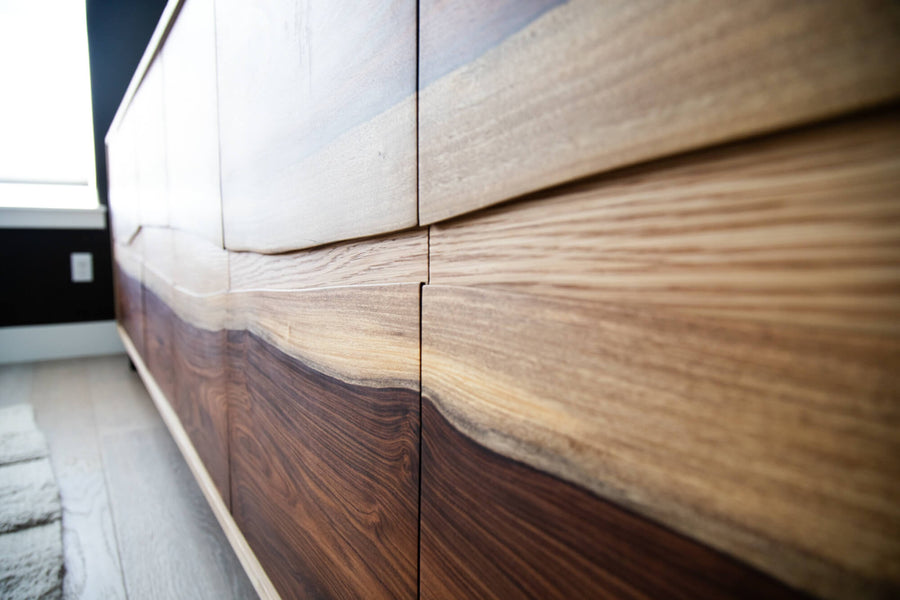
82	267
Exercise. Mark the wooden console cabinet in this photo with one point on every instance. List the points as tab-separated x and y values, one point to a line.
525	299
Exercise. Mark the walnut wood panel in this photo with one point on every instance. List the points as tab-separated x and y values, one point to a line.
775	443
325	478
495	528
147	111
191	122
797	227
201	397
400	258
129	303
159	342
317	120
586	87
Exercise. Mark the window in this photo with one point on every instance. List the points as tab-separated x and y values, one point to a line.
46	131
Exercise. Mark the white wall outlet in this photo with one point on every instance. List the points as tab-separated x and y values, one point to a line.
82	267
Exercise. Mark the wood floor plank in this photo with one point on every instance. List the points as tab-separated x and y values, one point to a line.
170	543
562	92
62	400
494	528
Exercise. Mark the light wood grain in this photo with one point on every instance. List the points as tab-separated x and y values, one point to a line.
121	159
587	87
148	112
796	228
401	258
317	120
775	443
254	571
359	334
191	122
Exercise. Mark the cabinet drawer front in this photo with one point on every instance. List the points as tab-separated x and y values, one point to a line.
317	120
519	96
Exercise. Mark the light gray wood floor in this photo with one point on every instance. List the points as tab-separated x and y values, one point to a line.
135	524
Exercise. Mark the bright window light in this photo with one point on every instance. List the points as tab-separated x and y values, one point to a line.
46	131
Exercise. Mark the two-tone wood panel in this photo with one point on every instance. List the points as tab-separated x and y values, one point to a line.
317	117
191	122
519	96
709	341
325	438
199	299
158	252
127	268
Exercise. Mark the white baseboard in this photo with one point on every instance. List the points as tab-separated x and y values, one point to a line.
66	340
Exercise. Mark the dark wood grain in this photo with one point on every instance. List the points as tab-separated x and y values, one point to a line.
158	341
495	528
324	478
129	305
200	400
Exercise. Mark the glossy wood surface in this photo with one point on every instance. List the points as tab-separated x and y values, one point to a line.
317	120
191	122
586	87
495	528
325	479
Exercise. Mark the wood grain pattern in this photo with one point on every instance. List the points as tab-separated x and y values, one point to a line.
400	258
590	87
325	479
494	528
364	335
775	443
191	122
318	132
201	397
148	112
258	578
127	275
159	342
802	227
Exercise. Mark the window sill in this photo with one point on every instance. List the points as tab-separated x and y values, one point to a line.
53	218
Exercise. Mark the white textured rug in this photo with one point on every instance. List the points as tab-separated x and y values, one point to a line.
31	553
